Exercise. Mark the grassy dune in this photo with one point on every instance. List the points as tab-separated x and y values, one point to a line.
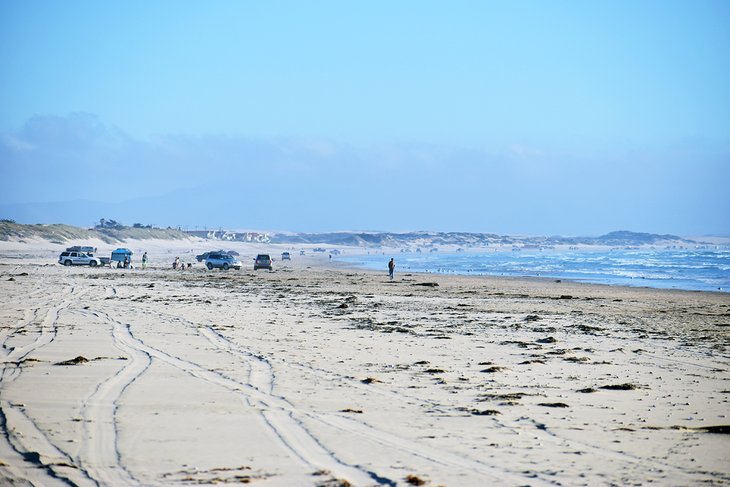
59	233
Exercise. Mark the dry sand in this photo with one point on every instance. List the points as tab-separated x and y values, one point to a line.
318	376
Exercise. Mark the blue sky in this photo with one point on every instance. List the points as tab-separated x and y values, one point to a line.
570	118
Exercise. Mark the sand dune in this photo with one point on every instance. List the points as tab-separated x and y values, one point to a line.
318	376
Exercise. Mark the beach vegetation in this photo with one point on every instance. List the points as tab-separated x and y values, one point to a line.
108	232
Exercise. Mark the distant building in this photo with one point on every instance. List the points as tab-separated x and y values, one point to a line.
231	236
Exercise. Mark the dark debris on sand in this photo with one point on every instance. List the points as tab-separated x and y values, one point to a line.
528	362
509	396
331	481
493	369
370	380
484	412
434	371
620	387
414	480
74	361
546	340
723	429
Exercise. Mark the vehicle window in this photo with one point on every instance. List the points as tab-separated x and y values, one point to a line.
73	254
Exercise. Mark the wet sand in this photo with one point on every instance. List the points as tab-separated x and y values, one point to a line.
319	376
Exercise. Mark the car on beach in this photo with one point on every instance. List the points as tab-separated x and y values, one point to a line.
216	260
82	248
204	255
285	256
263	261
78	258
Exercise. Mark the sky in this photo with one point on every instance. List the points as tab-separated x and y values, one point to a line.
521	117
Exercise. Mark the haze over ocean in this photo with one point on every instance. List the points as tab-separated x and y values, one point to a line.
567	118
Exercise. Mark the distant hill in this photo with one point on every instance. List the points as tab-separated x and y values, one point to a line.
465	239
59	233
624	237
386	239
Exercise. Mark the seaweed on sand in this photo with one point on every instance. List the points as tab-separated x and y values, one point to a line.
620	387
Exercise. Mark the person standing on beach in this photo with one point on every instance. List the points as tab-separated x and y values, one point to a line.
391	268
144	260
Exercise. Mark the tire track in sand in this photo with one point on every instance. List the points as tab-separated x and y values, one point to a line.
29	317
49	465
278	414
359	428
440	457
99	453
48	329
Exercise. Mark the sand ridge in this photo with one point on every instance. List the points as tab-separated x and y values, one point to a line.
317	375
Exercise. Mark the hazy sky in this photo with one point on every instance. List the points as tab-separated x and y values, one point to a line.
572	118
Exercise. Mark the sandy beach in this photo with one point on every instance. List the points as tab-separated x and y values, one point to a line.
317	375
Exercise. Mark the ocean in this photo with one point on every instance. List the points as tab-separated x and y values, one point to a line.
696	269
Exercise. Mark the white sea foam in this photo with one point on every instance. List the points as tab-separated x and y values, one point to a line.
696	270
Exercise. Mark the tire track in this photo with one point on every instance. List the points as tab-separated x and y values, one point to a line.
99	454
439	457
351	426
50	465
452	461
279	414
496	475
262	363
303	443
29	317
260	371
47	333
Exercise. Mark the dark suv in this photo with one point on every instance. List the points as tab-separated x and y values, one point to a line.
262	261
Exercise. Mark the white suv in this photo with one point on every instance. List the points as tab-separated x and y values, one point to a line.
77	258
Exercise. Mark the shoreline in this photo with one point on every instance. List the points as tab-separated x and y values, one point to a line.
163	252
601	276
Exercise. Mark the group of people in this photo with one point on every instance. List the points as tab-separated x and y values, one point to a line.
127	262
176	264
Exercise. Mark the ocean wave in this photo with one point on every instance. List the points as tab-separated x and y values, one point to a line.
703	270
